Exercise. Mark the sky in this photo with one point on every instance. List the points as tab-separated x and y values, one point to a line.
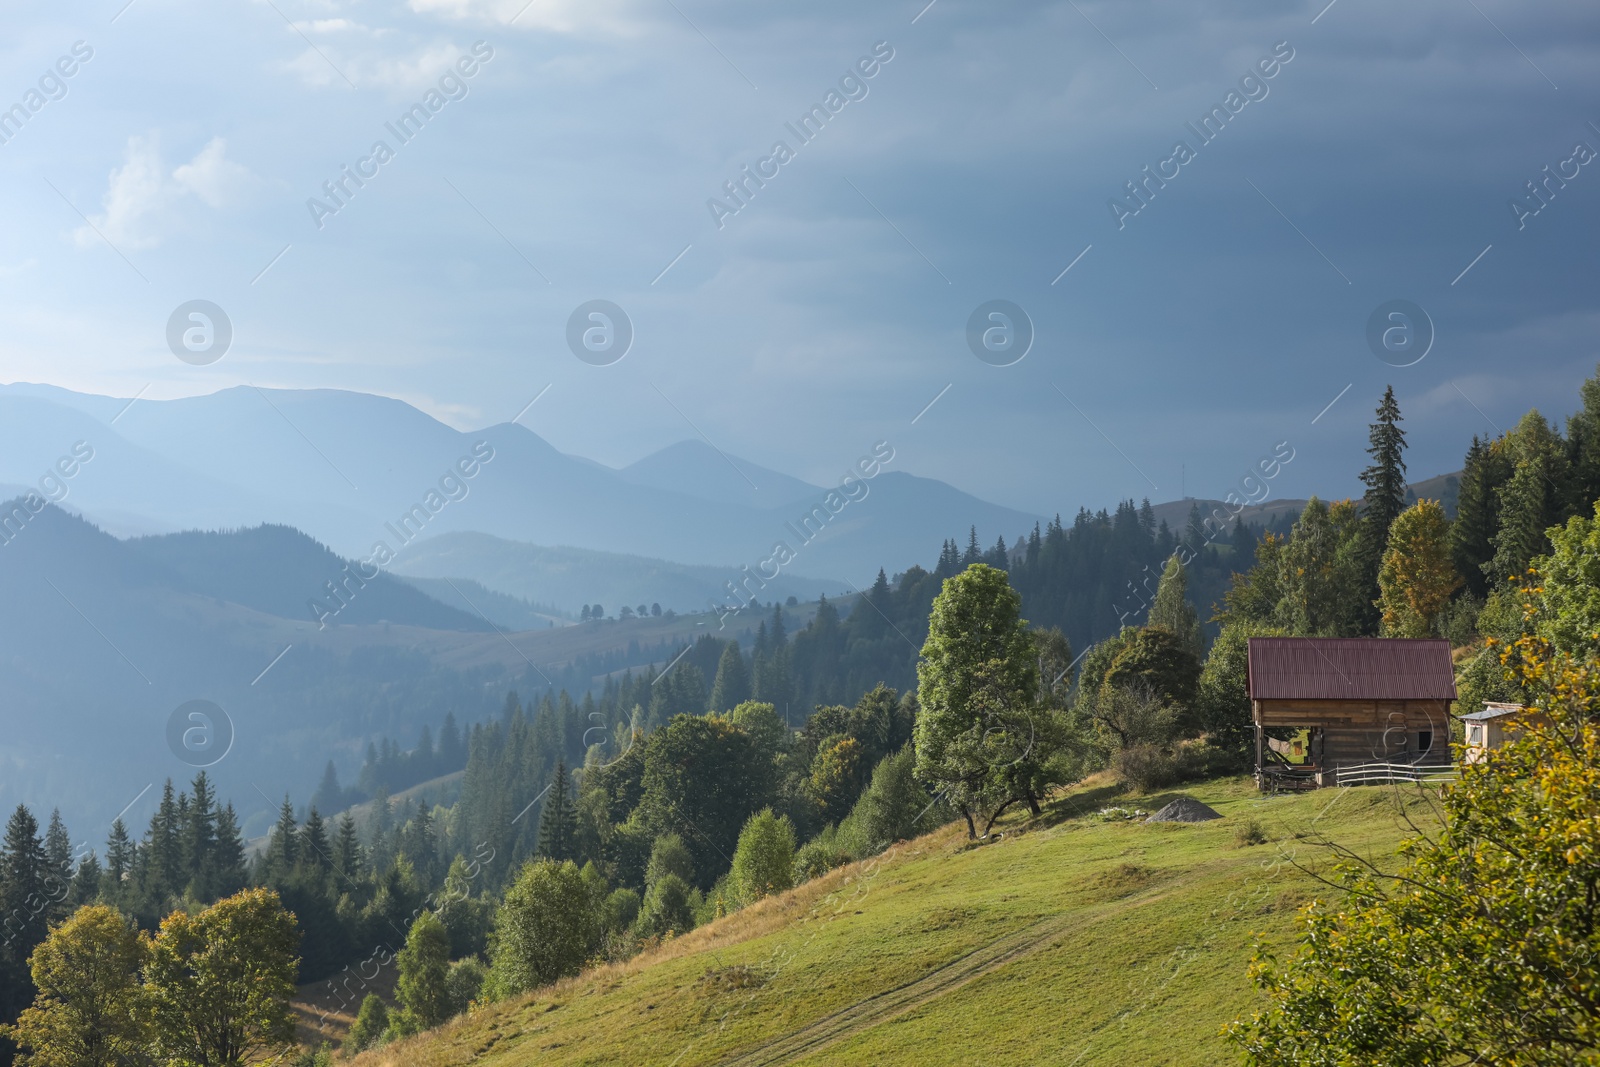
986	158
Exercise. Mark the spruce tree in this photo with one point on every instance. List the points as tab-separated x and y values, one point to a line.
282	850
25	899
973	554
1383	502
558	823
230	872
1194	530
120	857
330	794
198	840
164	861
1171	609
1583	450
347	850
313	847
732	685
1477	520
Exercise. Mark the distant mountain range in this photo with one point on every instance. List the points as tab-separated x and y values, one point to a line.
103	639
356	471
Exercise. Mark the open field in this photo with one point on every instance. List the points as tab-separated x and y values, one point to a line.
1070	940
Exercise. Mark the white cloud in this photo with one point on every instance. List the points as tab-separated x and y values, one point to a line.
141	197
214	178
554	16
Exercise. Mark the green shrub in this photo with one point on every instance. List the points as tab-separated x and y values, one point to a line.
372	1024
763	863
464	984
666	908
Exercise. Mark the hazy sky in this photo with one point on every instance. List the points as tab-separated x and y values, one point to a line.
576	163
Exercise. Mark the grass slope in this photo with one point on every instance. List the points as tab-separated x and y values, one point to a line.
1070	940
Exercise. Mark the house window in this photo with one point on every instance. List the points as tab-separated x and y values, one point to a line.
1424	740
1475	734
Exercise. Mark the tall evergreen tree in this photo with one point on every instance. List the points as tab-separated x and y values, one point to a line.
1384	500
283	847
732	685
120	858
973	554
1477	520
230	872
25	900
198	839
347	850
313	848
558	823
330	794
1171	609
163	859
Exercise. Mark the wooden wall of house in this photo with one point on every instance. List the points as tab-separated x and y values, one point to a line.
1354	714
1401	742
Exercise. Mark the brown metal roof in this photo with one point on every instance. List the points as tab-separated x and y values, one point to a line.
1350	668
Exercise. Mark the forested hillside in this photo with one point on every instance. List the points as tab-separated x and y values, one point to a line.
595	823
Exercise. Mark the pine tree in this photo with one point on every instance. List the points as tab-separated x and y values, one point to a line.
452	753
330	794
198	840
732	685
1477	522
347	850
1583	450
25	899
282	848
1526	511
558	823
1171	609
230	873
973	554
119	862
313	849
1194	531
1384	500
163	852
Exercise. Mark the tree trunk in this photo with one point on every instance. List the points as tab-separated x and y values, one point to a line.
1033	805
972	829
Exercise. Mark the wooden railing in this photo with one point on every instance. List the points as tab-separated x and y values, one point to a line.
1382	772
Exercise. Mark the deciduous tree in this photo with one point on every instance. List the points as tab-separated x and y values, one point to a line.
1417	576
220	982
90	1008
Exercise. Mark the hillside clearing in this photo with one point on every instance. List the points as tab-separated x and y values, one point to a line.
1070	940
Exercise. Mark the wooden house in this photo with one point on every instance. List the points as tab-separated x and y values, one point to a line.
1347	702
1494	726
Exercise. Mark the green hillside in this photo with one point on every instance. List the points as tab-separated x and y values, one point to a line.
1070	940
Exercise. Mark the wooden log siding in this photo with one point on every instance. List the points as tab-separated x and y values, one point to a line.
1381	714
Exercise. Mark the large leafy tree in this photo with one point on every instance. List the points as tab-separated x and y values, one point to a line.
982	739
764	861
1566	594
90	1010
424	965
1417	576
1482	947
545	928
703	777
1320	577
220	982
1222	701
